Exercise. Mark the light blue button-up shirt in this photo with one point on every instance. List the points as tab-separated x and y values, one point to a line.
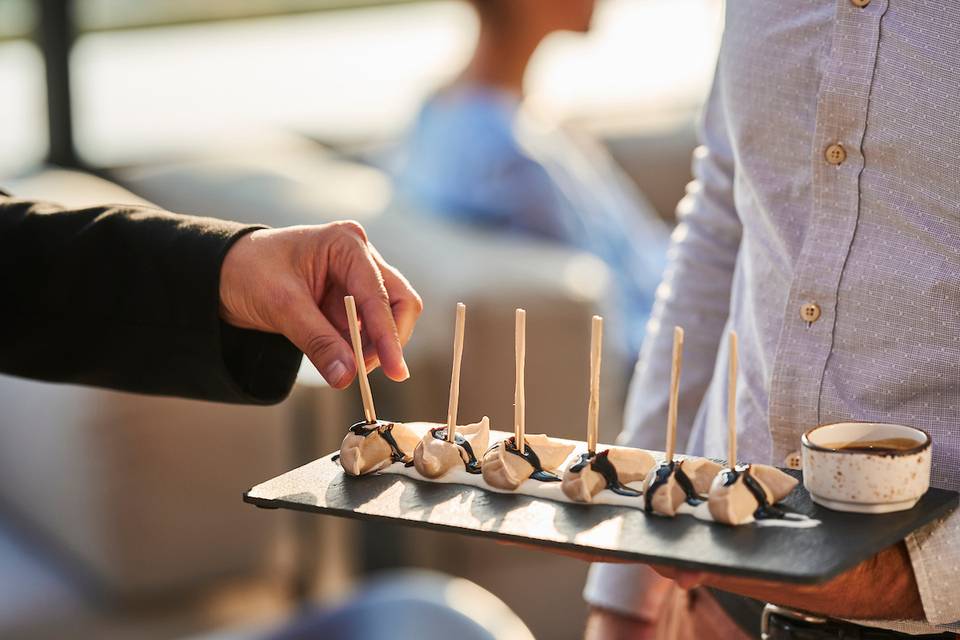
771	225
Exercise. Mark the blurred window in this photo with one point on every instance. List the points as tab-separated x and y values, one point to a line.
108	15
23	136
155	79
339	76
17	19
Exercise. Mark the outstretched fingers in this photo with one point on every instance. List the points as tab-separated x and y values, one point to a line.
405	303
322	343
362	278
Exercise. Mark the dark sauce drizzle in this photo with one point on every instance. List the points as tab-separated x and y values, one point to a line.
532	459
663	472
765	510
600	462
471	464
364	429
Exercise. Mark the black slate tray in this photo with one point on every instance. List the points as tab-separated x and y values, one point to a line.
807	556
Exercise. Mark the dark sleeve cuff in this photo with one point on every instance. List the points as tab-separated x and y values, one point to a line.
239	365
129	298
263	366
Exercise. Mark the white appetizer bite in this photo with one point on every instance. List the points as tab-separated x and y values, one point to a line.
368	448
614	467
371	445
510	462
436	455
749	492
611	469
673	483
744	493
506	467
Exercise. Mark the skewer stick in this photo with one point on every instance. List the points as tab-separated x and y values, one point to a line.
518	399
368	411
593	409
732	404
674	392
455	374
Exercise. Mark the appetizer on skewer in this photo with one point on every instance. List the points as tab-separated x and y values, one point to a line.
505	467
675	482
373	444
749	492
510	462
435	456
444	448
612	468
743	493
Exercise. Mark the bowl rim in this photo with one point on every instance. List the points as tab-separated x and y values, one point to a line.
806	442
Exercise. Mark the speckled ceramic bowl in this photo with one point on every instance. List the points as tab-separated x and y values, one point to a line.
865	481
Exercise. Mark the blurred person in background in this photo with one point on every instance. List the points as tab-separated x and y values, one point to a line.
476	155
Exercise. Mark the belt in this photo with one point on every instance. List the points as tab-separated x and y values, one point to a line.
781	623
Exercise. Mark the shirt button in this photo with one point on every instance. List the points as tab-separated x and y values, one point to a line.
810	312
793	460
860	3
835	154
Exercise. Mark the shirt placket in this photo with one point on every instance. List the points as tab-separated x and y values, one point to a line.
810	315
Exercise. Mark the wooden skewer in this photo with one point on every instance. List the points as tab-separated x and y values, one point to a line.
518	399
593	409
455	374
674	391
368	411
732	404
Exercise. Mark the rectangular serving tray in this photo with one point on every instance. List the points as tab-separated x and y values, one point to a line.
807	556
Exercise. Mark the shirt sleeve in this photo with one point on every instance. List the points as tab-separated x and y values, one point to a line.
935	556
694	294
632	590
128	298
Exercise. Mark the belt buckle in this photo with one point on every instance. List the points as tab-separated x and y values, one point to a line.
793	614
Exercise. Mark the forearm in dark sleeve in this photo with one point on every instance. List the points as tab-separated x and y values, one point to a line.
128	298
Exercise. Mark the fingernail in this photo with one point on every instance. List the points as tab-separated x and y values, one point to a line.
334	373
406	369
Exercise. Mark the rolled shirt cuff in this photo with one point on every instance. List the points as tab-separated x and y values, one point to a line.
935	555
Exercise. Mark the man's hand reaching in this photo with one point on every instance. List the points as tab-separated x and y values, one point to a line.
292	281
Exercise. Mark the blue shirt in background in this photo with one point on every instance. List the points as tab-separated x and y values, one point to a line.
475	156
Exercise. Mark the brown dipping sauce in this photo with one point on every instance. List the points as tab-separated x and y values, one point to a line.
883	444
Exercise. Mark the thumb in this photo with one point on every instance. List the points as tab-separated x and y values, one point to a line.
312	333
